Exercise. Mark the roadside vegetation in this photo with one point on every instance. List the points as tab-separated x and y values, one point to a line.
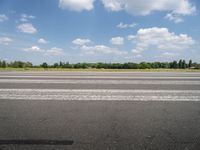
178	65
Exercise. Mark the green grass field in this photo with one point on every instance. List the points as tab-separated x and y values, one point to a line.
100	70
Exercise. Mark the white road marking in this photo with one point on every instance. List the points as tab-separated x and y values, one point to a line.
100	91
95	72
91	81
106	95
99	77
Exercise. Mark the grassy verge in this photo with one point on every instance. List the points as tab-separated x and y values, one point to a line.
100	70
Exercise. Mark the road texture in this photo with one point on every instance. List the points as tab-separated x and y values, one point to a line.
99	111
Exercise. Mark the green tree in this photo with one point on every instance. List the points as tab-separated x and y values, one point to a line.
183	64
180	63
144	65
4	65
174	65
190	63
55	65
28	64
44	65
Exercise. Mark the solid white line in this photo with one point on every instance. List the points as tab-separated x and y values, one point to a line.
91	81
93	72
102	98
100	77
99	90
111	95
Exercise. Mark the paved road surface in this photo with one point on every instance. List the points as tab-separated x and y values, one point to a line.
99	111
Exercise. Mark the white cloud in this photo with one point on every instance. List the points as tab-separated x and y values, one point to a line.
33	49
135	51
42	41
168	54
3	18
76	5
113	5
55	52
161	39
5	40
79	41
25	17
138	56
49	52
123	25
27	28
131	37
101	49
145	7
174	17
117	40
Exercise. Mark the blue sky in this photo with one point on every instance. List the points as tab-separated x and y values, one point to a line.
99	30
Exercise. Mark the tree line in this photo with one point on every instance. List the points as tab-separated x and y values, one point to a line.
15	64
181	64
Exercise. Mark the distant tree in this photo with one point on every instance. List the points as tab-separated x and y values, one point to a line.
190	63
55	65
62	64
156	65
144	65
174	65
68	65
28	64
20	64
180	63
183	64
164	65
44	65
129	65
3	64
198	66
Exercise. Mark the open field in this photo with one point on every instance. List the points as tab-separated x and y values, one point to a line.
51	110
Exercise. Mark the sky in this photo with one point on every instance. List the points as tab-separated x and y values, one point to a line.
99	30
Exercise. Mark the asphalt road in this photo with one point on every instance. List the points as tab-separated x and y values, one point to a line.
99	111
